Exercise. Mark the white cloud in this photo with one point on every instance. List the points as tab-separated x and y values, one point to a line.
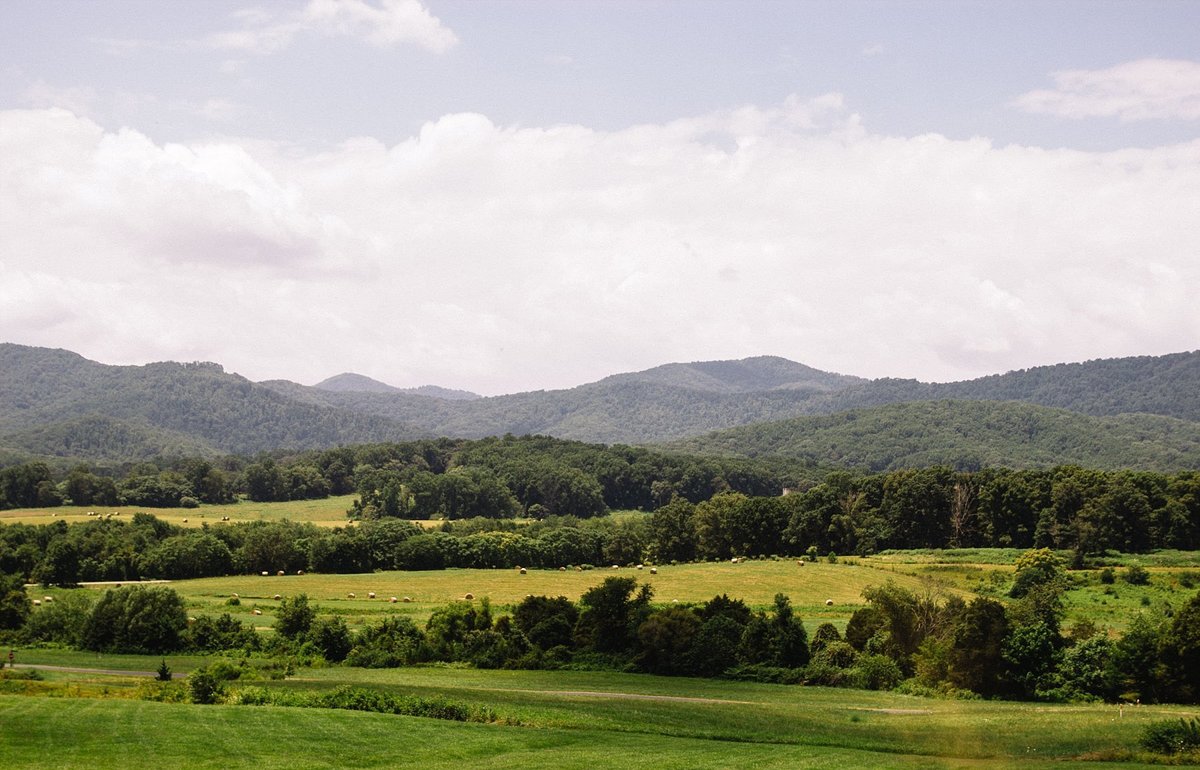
391	22
505	258
1147	89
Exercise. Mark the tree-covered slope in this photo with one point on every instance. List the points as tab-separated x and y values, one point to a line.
45	396
748	375
42	389
964	434
1167	385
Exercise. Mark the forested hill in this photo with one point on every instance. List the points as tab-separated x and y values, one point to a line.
349	382
53	402
1167	385
749	375
966	435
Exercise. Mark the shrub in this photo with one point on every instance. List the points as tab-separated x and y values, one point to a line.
875	672
1136	575
204	686
1107	576
1172	736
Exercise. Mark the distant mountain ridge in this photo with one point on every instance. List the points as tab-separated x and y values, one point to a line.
348	382
55	402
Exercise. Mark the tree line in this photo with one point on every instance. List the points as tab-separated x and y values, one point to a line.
1068	509
451	478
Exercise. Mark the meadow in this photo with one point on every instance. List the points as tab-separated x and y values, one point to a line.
328	512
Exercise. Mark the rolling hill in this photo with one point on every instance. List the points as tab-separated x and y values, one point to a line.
57	403
964	435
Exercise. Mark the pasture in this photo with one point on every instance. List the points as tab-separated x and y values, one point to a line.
755	582
329	512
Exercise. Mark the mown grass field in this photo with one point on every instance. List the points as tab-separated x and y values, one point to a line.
330	512
573	720
755	582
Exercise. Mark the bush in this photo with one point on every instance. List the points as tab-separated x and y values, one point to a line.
875	672
204	686
1172	736
1107	576
1136	575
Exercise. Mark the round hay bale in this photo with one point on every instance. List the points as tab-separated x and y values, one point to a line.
522	570
469	597
392	600
277	597
639	566
615	566
562	569
799	563
47	598
258	612
734	560
265	573
279	573
829	602
654	570
350	596
37	602
299	572
233	596
185	521
371	595
407	599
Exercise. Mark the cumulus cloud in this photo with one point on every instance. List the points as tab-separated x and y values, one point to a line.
504	258
390	23
1147	89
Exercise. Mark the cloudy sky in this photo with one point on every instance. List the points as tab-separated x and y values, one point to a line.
506	196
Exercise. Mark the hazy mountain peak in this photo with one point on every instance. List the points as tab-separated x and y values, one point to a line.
746	375
348	382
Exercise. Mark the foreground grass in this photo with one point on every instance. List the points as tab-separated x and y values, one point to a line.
570	720
131	735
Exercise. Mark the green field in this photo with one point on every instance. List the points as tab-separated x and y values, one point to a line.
329	512
578	719
754	582
572	720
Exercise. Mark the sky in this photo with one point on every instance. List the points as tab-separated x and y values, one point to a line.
513	196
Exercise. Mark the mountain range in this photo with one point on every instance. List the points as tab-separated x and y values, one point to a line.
1126	412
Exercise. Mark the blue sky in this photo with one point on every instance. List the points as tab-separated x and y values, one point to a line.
518	195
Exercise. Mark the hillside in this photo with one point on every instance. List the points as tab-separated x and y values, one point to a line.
965	435
55	402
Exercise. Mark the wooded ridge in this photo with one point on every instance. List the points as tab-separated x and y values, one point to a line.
57	403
